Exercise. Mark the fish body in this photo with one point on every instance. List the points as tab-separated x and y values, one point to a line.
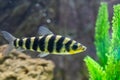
47	42
54	44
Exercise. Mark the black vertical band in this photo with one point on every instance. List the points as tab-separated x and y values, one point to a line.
20	42
51	44
67	45
27	43
59	44
35	43
15	42
42	43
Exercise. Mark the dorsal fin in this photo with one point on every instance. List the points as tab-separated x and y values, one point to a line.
44	31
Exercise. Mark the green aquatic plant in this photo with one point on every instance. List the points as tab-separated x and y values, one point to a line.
107	49
102	39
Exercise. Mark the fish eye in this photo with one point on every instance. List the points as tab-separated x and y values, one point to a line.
75	46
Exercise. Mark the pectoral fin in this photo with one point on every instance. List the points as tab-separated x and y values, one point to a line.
20	49
43	54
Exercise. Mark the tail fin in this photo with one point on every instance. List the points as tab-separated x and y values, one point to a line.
10	39
8	36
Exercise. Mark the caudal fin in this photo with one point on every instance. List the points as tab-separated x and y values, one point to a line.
8	36
10	39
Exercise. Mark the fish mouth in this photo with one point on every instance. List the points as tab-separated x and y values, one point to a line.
79	50
83	48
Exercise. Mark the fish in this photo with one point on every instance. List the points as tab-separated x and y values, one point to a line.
46	43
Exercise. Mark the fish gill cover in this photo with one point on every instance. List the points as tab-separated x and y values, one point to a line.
107	49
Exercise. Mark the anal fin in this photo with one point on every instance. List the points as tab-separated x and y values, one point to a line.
8	49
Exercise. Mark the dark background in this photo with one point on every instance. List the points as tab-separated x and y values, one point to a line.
74	18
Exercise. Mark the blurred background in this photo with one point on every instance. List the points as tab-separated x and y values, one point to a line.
74	18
